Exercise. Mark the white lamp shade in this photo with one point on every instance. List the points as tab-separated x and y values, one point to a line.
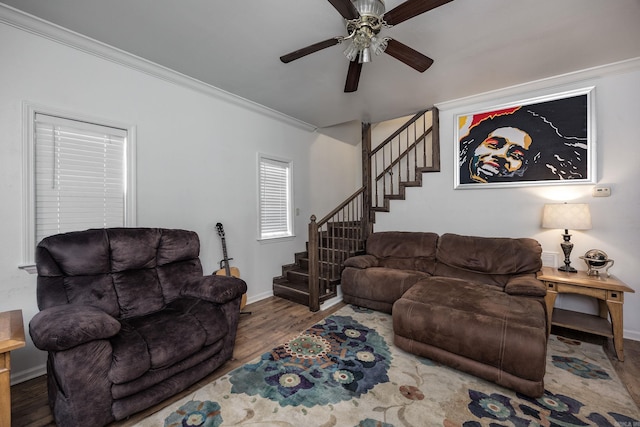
574	216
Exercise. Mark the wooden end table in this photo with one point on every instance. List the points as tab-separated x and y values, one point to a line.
609	292
11	338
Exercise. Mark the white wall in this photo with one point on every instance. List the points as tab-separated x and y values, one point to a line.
196	161
516	212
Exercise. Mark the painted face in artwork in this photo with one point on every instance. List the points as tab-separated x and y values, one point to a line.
501	154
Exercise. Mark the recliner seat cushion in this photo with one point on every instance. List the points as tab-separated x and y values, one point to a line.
164	338
372	284
477	321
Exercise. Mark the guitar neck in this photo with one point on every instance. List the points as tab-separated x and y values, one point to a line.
227	269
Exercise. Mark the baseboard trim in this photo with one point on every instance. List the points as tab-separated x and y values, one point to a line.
333	301
631	335
18	377
259	297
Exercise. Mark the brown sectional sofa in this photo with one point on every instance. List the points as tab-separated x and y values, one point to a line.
472	303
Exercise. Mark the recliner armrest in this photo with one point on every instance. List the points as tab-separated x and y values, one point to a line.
525	285
361	261
65	326
214	288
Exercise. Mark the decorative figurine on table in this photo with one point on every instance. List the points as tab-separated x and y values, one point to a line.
597	260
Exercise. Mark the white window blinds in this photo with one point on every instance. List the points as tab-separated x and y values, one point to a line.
80	176
275	198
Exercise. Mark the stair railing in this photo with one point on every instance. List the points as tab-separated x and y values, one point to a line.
333	239
402	157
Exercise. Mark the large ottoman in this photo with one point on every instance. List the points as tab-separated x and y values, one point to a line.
475	328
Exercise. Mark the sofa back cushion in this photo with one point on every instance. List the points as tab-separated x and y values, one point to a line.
404	250
126	272
487	259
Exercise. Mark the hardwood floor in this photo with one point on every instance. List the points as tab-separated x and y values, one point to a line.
271	322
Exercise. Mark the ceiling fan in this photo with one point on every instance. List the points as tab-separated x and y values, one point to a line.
364	20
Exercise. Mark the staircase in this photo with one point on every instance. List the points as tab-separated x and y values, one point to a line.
394	164
336	243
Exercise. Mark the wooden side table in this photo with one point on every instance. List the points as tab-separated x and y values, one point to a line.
610	294
11	338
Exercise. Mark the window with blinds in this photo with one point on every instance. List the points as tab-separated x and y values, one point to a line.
275	177
79	176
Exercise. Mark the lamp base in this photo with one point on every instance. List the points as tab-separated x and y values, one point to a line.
567	269
567	246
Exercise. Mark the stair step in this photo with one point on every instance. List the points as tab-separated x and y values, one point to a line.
425	169
394	196
304	263
417	183
380	209
299	275
300	255
296	292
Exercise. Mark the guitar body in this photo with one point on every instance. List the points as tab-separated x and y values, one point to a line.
227	270
235	273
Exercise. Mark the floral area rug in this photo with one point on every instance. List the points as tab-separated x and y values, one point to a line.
345	371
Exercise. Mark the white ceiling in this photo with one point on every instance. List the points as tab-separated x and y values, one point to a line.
477	46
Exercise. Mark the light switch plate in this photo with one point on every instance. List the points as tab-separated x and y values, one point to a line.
550	259
601	191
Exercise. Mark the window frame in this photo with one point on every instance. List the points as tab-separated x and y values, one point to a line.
290	233
30	110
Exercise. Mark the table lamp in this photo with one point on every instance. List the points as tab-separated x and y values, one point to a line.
574	216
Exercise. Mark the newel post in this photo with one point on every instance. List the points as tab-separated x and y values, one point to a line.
367	216
314	283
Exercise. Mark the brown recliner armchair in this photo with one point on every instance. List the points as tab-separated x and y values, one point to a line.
128	320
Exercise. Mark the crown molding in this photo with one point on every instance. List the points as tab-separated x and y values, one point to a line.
39	27
549	84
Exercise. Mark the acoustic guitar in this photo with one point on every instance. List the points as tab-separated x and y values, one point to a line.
225	269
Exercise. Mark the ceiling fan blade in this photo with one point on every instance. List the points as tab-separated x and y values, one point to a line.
411	8
345	8
353	76
404	53
309	50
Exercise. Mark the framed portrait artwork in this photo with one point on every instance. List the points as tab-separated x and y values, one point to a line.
546	140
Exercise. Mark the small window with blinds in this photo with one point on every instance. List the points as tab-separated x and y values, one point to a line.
275	193
79	177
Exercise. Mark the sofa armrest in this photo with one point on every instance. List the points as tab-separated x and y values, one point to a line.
525	285
214	288
361	261
66	326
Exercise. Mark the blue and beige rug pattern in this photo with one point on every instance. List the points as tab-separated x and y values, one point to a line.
345	372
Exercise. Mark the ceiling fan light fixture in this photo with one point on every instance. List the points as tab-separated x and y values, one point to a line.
379	44
351	52
363	31
365	56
